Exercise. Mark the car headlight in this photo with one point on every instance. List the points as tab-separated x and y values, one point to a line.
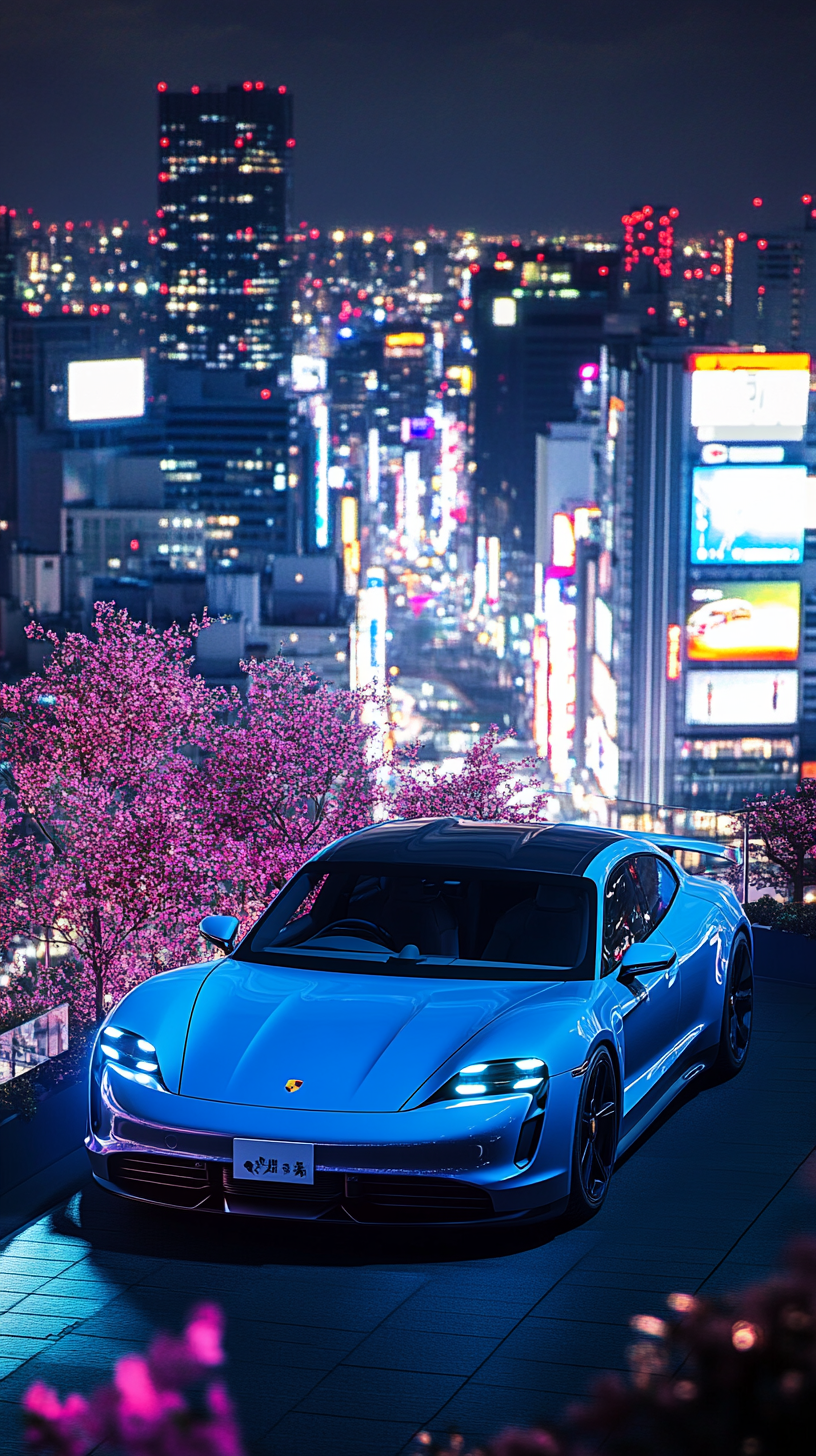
497	1079
132	1055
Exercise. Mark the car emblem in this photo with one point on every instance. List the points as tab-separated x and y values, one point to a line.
294	1084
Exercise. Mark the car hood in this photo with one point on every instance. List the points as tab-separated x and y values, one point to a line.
356	1042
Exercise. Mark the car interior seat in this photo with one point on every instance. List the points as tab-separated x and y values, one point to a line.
415	912
546	929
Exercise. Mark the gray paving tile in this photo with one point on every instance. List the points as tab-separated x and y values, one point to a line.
480	1412
381	1394
438	1318
336	1436
398	1349
519	1374
22	1283
36	1326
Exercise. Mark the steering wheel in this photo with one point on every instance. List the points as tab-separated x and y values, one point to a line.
366	929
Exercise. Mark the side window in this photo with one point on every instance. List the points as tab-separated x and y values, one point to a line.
624	918
656	886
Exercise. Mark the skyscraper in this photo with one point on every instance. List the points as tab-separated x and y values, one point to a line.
537	318
774	286
222	225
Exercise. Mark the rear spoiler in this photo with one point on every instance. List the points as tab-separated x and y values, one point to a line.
670	842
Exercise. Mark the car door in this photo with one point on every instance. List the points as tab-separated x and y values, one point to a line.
636	899
702	947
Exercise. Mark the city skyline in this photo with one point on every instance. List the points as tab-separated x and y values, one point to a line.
589	112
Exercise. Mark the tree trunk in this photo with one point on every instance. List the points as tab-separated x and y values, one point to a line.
98	964
798	878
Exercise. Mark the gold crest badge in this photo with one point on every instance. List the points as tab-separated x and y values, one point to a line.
294	1084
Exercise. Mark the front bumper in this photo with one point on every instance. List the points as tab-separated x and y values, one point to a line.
440	1164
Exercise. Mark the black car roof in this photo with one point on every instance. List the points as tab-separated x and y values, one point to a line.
564	849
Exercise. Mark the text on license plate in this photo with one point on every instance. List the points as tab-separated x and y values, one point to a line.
261	1161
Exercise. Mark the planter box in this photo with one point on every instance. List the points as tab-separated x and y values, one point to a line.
781	956
43	1160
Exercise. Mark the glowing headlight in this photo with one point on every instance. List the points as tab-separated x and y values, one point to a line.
132	1055
497	1079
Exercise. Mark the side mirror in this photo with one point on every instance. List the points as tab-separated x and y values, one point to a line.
220	930
654	954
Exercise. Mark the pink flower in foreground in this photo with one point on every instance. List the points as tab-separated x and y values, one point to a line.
143	1411
203	1335
68	1429
141	1405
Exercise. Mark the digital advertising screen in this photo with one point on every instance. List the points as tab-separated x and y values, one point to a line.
742	698
309	373
105	389
748	514
407	345
750	396
744	621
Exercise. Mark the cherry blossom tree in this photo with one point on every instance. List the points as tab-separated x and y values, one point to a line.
286	773
134	799
485	787
145	1407
99	773
786	825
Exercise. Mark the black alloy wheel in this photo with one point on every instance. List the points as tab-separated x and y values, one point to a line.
596	1136
738	1011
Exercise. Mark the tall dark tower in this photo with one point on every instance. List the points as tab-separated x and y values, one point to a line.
223	220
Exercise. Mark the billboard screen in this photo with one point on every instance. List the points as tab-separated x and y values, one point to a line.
748	514
408	345
309	373
105	389
750	396
742	698
748	621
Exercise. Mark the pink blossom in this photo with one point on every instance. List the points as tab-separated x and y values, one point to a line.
136	799
485	788
786	825
143	1411
203	1335
68	1429
141	1404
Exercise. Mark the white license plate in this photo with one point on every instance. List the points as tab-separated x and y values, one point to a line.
257	1161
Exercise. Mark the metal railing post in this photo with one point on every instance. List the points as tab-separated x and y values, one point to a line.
746	853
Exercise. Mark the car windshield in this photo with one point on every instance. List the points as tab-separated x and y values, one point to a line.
434	920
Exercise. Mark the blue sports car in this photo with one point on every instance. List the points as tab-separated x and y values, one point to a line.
438	1021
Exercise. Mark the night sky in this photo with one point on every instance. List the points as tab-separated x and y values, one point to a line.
551	114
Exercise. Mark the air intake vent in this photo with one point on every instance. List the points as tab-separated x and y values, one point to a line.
180	1182
380	1197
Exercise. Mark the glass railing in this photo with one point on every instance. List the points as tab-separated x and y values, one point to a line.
33	1042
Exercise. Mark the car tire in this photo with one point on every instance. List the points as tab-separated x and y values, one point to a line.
737	1016
595	1142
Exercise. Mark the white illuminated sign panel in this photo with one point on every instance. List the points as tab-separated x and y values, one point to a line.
749	404
368	657
603	630
105	389
493	569
308	373
320	420
413	485
504	312
740	698
373	471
